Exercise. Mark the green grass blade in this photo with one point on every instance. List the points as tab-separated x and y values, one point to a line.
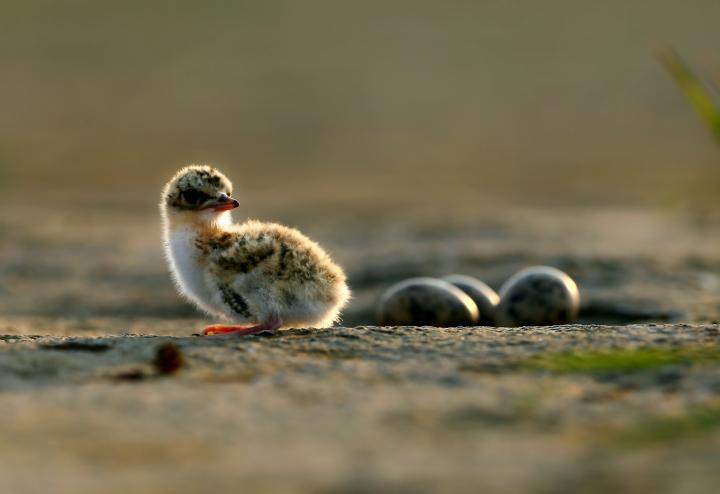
696	93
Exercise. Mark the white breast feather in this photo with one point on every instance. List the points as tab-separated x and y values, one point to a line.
188	273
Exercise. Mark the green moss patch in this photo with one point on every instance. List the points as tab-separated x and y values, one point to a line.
623	360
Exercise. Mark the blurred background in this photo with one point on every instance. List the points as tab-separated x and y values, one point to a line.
374	102
352	121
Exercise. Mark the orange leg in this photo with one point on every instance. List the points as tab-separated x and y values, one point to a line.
271	324
225	328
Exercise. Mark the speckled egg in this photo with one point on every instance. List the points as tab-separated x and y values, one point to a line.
426	302
538	296
484	297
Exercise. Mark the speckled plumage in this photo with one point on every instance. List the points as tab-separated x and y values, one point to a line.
249	272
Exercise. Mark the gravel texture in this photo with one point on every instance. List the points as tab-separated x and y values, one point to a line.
409	409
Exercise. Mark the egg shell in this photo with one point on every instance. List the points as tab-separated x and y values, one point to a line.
426	302
538	296
484	297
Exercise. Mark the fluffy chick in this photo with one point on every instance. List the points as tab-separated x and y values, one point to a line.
261	276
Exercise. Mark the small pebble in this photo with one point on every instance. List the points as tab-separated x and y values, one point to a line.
538	296
484	297
426	302
168	358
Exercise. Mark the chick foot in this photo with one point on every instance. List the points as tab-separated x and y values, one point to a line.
272	324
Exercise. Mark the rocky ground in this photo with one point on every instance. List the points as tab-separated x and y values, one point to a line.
103	388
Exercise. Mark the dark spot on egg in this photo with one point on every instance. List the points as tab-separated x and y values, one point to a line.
426	302
484	297
538	296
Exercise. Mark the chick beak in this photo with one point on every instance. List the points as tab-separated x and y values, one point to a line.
222	203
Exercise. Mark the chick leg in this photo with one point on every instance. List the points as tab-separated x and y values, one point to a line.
271	324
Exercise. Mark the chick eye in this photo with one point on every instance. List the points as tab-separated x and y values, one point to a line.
191	196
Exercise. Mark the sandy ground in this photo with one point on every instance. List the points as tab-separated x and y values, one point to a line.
360	410
627	401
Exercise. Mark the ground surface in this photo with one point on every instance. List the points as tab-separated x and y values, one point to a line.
629	409
627	401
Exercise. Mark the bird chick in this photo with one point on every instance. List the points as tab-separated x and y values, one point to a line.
260	276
